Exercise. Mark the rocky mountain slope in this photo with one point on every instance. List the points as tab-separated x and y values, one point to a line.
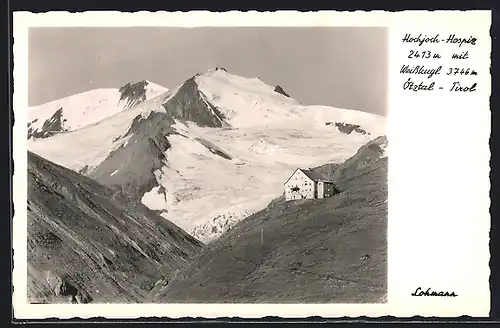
373	151
279	89
88	244
211	151
331	250
80	110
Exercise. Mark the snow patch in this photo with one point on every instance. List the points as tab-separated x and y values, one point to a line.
217	226
155	199
114	172
262	147
153	90
180	127
384	149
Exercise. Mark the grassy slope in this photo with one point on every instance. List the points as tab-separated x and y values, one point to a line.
313	250
86	244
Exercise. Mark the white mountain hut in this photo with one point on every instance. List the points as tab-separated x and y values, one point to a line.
305	184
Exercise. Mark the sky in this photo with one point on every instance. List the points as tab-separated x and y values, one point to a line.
345	67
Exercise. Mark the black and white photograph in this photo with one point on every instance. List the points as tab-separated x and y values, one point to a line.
207	165
219	165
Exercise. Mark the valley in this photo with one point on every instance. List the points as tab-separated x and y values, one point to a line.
179	186
266	135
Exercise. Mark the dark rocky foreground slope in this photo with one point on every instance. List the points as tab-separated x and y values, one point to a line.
86	244
331	250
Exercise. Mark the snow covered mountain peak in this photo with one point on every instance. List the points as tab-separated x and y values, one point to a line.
133	94
210	151
243	101
217	99
220	73
215	70
86	108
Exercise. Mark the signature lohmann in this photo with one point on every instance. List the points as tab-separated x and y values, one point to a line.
429	292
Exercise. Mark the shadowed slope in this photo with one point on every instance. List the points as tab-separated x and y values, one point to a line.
86	244
189	104
130	168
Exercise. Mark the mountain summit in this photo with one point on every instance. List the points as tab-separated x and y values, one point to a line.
189	103
83	109
132	94
211	151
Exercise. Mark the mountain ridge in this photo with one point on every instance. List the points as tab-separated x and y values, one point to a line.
88	107
189	104
87	244
213	150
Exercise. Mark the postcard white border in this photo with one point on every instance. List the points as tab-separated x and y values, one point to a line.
423	249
